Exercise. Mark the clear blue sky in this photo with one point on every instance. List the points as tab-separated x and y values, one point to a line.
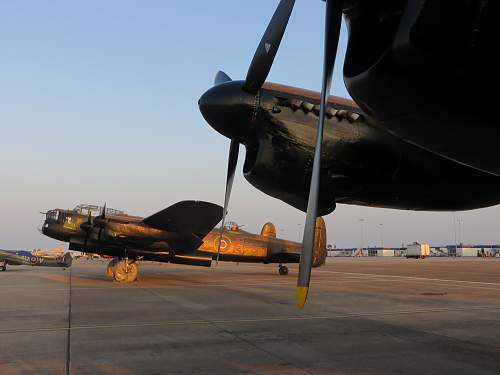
98	102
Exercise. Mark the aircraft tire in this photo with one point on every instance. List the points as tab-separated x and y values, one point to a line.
283	270
125	273
3	268
110	269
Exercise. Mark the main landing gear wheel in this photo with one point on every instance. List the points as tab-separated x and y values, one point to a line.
3	268
110	269
122	270
283	270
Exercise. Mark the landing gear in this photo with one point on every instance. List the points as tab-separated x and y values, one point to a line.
3	268
283	270
122	270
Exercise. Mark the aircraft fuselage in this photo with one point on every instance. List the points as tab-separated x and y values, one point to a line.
24	258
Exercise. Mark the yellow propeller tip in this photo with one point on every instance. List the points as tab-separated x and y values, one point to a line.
301	296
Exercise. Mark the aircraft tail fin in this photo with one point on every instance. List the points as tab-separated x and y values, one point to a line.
57	250
268	230
187	217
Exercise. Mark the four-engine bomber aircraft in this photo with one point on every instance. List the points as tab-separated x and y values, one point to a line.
420	134
179	234
25	258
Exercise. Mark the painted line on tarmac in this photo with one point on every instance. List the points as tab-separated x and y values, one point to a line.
354	279
383	280
251	320
39	290
266	283
374	275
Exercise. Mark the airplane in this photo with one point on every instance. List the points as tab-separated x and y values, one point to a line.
411	138
180	234
26	258
53	253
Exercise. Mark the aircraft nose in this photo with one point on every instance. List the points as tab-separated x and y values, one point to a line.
225	107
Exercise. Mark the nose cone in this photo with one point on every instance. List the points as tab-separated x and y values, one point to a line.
51	230
227	108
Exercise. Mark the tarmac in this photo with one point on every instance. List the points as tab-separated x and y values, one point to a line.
365	316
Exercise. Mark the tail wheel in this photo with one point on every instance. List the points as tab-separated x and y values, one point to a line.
283	270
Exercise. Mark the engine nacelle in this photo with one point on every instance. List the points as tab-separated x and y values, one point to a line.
268	230
277	169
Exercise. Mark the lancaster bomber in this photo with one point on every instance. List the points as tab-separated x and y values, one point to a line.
410	139
181	233
25	258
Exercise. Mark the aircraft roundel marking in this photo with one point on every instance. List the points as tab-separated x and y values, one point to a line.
33	259
224	243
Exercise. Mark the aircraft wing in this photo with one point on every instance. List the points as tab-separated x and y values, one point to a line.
196	217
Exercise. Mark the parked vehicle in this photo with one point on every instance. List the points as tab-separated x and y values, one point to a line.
418	251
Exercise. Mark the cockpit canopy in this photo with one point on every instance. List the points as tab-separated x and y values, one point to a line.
57	216
52	215
94	210
60	216
232	226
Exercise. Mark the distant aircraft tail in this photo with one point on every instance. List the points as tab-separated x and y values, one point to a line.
268	230
59	250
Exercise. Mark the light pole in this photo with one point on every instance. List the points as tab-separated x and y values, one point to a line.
381	227
460	231
362	223
455	232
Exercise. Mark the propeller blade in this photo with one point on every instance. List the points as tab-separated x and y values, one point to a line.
221	77
89	228
332	33
268	47
234	149
103	217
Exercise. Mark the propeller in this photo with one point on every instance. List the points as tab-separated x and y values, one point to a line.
268	47
87	227
333	20
231	169
91	223
100	221
220	78
256	76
